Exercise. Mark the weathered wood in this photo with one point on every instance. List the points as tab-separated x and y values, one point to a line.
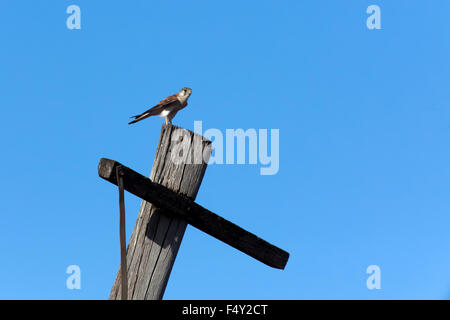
199	217
157	236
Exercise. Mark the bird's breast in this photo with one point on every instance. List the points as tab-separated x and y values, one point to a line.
165	113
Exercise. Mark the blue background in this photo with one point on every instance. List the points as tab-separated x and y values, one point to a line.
364	142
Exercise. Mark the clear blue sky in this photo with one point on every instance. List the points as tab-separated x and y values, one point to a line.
364	142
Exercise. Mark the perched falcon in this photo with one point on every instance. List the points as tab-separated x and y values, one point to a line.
166	108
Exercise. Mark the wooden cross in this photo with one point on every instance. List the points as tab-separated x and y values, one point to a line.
167	207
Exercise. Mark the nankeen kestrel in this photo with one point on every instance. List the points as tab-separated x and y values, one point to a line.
166	108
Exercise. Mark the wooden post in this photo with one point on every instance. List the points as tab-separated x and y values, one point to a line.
156	237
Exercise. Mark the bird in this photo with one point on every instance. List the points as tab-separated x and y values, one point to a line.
166	108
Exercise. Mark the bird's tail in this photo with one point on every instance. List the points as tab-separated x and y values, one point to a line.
135	119
142	116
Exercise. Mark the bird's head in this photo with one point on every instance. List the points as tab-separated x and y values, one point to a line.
185	92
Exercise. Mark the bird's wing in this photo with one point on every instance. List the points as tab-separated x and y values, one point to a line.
174	112
167	101
156	109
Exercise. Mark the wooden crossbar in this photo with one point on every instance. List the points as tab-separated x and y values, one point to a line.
203	219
